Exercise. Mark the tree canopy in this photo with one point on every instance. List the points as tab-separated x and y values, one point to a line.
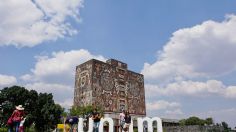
84	111
196	121
40	108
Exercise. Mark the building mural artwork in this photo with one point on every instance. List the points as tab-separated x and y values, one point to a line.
109	85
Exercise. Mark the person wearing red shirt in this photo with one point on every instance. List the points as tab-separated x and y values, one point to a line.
17	116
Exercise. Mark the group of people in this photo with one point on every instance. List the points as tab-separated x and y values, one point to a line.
73	121
125	120
124	117
16	120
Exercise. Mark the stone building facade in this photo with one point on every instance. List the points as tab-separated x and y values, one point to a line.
109	85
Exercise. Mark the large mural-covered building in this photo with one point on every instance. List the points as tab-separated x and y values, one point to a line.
109	85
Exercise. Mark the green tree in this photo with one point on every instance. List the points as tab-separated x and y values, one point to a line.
225	126
48	113
194	121
209	121
83	111
182	122
39	108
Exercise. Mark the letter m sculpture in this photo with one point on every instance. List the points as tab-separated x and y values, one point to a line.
149	123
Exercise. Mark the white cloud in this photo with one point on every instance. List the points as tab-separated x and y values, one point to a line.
162	104
231	92
6	80
202	52
29	23
44	87
60	92
60	67
174	112
164	109
192	88
206	50
26	77
66	103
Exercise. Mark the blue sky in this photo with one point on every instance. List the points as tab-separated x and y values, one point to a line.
185	49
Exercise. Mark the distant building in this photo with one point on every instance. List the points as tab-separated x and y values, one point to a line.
109	85
169	122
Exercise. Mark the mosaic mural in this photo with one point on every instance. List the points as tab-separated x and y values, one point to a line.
109	85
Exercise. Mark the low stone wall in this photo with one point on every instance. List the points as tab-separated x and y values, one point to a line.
192	128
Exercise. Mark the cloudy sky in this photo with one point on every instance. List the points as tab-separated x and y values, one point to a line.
185	49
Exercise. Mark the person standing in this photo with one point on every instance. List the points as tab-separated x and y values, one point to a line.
17	116
122	119
96	120
127	121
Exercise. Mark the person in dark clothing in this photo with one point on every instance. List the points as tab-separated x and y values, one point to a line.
96	120
72	121
127	121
